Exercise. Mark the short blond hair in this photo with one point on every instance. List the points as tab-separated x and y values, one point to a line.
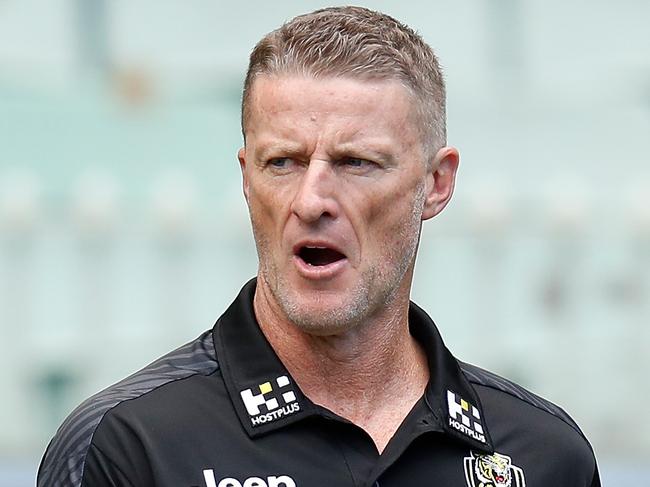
358	43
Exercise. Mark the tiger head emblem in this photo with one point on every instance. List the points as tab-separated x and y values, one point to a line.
493	470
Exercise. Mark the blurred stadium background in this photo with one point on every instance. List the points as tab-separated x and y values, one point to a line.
123	232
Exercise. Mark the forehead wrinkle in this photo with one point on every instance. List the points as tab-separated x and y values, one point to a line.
278	96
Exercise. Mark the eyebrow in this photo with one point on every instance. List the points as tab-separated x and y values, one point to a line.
379	152
280	147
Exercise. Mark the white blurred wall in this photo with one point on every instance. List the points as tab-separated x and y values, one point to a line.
123	232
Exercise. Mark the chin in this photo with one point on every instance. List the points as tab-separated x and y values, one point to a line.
319	325
324	317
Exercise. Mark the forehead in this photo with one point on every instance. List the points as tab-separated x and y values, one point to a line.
343	104
280	86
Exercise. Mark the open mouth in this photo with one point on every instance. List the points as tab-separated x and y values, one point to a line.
319	256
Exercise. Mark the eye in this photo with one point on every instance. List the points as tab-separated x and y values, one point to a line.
356	162
279	162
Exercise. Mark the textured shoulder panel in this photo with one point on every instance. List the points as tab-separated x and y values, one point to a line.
482	377
64	459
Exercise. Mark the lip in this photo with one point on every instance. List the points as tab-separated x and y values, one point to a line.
321	272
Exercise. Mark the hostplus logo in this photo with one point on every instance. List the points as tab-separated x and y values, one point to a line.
274	400
464	417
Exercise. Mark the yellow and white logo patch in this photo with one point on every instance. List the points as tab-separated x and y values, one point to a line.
465	417
270	403
495	470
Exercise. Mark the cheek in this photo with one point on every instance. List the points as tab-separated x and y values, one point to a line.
267	206
393	213
376	202
394	230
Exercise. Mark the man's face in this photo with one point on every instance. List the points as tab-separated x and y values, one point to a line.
337	186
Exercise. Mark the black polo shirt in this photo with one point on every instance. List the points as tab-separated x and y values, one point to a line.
222	411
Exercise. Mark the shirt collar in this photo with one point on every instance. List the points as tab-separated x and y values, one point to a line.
266	397
452	399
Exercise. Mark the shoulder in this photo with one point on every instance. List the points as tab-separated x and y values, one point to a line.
519	420
63	462
504	387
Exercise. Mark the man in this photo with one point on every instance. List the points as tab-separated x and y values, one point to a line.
322	373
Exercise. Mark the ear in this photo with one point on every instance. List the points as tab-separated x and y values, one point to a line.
241	155
441	177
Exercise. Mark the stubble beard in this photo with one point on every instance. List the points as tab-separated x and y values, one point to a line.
375	290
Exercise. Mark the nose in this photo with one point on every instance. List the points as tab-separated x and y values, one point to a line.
315	197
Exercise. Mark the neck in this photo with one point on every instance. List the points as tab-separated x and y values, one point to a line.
364	374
